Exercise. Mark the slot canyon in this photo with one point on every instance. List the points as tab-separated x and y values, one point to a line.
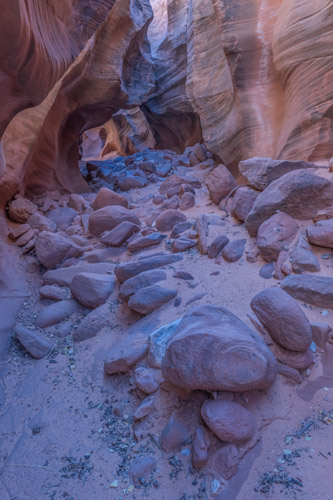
166	249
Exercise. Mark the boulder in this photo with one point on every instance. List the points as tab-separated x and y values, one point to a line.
20	210
234	250
220	183
157	343
176	180
200	447
131	182
244	199
180	228
62	217
181	244
26	237
117	236
212	349
124	355
141	468
64	276
174	435
229	421
168	219
93	323
295	359
106	198
108	218
55	313
77	202
146	300
131	269
224	461
53	248
320	332
92	290
52	292
303	259
18	231
274	234
217	246
300	193
145	408
321	234
39	221
187	201
145	380
38	347
141	280
145	242
171	203
261	171
315	290
283	319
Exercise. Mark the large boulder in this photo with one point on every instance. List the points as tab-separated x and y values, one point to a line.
20	210
229	421
92	290
212	349
274	234
108	218
260	171
106	198
300	193
53	248
315	290
283	319
220	183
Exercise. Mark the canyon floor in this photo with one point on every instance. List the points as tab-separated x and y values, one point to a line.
68	430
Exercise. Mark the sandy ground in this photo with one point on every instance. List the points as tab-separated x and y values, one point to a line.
67	429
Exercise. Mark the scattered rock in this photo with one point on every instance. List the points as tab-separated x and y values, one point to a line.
145	380
39	221
224	462
234	250
303	259
168	219
38	347
294	359
53	248
180	228
157	343
106	198
187	201
117	236
220	183
244	199
20	210
217	246
200	447
145	242
125	354
321	234
54	292
26	237
92	290
159	199
62	217
131	182
141	468
315	290
131	269
212	349
146	300
283	318
92	324
56	312
145	408
320	332
289	372
108	218
182	244
267	271
275	234
300	193
77	202
183	275
64	276
142	280
18	231
174	435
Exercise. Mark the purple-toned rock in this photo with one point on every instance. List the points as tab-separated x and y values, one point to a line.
295	359
168	219
142	280
212	349
200	447
159	199
145	408
181	244
64	276
18	231
300	194
320	332
146	300
275	234
234	250
217	246
131	269
321	235
220	182
143	242
180	228
92	290
174	435
141	468
124	355
261	171
283	318
108	218
224	462
131	182
93	323
20	210
62	217
26	237
315	290
171	203
244	199
176	180
42	223
38	347
303	259
56	312
187	201
145	380
78	203
229	421
117	236
106	198
52	292
53	248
